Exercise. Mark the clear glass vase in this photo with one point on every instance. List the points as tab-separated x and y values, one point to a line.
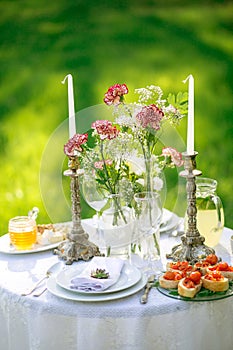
154	178
148	212
117	226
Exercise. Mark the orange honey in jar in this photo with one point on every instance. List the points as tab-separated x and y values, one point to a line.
22	232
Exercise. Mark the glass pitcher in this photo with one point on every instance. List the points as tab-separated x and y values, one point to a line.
210	214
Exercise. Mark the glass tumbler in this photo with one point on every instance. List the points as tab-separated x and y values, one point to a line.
22	232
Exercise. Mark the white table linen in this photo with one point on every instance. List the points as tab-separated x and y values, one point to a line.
49	322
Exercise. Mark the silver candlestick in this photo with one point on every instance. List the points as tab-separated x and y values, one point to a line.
77	246
192	247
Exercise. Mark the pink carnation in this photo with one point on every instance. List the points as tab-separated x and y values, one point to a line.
100	164
150	116
115	94
176	157
105	129
74	144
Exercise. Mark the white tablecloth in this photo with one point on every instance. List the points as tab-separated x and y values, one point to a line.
49	322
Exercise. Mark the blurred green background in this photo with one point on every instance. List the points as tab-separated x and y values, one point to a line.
101	43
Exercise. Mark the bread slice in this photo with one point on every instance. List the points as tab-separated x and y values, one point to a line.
227	274
216	284
188	292
223	268
170	280
182	267
168	284
202	267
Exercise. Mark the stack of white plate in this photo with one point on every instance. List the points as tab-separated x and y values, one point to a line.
130	282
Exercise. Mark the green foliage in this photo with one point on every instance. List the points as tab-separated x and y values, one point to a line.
180	101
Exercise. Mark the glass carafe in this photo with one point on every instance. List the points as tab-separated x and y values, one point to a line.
210	214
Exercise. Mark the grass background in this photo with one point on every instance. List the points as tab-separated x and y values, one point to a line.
101	43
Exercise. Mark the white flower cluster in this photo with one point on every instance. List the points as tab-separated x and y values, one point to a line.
126	190
124	120
120	147
150	94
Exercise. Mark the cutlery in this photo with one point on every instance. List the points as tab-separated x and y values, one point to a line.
148	287
38	294
49	272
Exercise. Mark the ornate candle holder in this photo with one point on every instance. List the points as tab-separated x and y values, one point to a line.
77	246
192	247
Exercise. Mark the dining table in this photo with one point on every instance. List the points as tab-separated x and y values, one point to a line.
116	321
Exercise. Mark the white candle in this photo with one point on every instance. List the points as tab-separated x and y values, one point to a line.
190	128
72	126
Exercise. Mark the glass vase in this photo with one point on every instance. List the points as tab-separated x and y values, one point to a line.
117	227
148	212
154	178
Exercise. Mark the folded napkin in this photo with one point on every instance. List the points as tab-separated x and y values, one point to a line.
85	282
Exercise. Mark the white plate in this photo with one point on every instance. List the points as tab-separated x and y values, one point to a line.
7	248
169	221
55	289
130	275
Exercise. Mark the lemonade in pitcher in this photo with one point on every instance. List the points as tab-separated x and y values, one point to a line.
210	214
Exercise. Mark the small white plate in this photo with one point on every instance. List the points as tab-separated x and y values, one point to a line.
7	248
55	289
130	275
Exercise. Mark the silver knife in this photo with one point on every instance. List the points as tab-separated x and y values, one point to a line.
148	287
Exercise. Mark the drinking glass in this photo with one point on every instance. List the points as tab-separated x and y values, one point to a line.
95	196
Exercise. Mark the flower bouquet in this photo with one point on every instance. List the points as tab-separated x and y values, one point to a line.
122	156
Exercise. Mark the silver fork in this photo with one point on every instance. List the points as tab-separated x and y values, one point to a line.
47	275
30	291
38	294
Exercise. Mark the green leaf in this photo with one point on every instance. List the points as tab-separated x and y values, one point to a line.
173	292
205	293
171	99
182	97
156	284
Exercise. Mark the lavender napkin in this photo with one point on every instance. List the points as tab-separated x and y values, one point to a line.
84	281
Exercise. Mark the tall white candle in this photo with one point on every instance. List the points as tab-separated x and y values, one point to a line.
72	126
190	128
